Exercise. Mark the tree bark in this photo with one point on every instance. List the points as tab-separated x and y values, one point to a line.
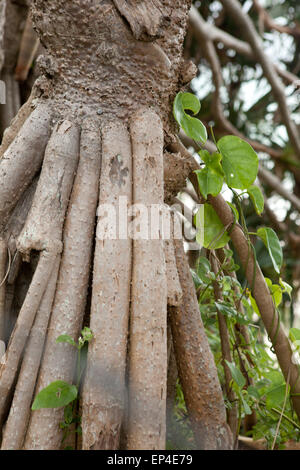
196	367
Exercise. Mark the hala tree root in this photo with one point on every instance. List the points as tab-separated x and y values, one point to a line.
22	160
196	367
68	309
104	388
17	421
3	258
11	360
148	324
88	110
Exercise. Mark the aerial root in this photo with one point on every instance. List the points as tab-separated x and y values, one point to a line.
11	360
15	125
196	366
71	293
42	232
148	321
3	275
22	160
104	387
174	287
18	418
43	227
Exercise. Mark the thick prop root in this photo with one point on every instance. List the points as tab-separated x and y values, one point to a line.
42	232
17	422
148	324
22	160
11	360
196	366
14	128
3	274
69	305
104	389
173	283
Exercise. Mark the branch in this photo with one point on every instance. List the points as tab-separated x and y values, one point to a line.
217	107
266	19
230	42
235	10
271	180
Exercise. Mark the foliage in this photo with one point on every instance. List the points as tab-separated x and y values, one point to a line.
259	385
60	394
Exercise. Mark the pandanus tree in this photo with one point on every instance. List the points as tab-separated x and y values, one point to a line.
98	127
98	132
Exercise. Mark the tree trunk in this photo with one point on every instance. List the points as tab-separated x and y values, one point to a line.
110	105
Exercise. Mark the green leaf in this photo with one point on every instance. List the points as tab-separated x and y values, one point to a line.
237	376
214	234
246	407
210	178
58	394
256	198
254	304
240	162
270	240
253	392
204	270
275	396
285	287
295	335
275	291
226	309
196	279
66	339
87	334
192	127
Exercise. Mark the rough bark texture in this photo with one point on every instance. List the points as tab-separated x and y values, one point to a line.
104	390
17	422
196	367
22	159
69	305
130	76
173	283
3	271
148	321
120	74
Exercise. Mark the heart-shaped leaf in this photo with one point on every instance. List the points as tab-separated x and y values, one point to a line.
211	177
239	161
192	127
256	198
270	240
215	235
57	395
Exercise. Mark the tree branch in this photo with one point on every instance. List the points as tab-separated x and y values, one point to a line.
236	12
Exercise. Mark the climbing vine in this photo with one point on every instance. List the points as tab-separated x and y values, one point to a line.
257	388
